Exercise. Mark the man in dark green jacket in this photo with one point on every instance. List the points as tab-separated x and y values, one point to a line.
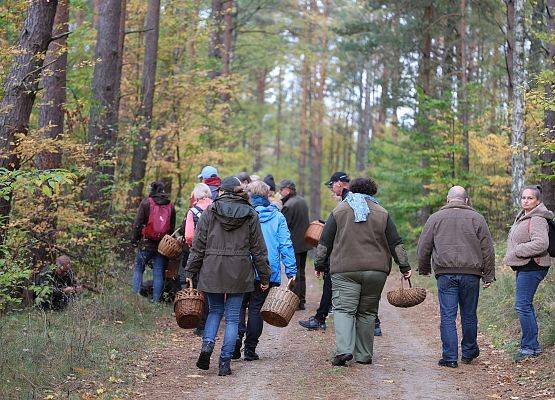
359	238
228	242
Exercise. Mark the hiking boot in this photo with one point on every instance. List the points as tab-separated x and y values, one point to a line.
250	355
237	352
203	361
313	324
468	360
377	331
450	364
341	359
225	368
365	362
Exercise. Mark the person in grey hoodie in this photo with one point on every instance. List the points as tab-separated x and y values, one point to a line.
527	254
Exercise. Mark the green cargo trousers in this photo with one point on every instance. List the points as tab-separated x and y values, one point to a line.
356	297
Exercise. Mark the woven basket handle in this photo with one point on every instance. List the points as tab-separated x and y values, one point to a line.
403	279
289	283
173	234
188	283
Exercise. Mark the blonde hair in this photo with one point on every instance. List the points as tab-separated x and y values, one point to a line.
255	178
201	191
258	187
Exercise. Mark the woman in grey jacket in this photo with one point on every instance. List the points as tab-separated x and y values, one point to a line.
527	254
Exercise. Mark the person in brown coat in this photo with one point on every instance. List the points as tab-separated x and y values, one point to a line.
458	241
228	243
527	254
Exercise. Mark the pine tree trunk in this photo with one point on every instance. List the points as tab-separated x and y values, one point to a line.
279	115
216	37
103	120
305	112
21	86
510	46
142	145
257	134
548	156
462	91
517	127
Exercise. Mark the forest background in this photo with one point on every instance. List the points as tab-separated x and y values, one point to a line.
101	97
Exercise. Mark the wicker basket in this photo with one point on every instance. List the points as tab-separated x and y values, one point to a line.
170	247
280	305
313	233
188	307
406	297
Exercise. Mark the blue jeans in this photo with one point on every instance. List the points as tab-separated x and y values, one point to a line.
454	291
217	306
158	266
526	285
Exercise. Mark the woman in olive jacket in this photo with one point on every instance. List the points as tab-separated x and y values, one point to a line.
527	254
228	241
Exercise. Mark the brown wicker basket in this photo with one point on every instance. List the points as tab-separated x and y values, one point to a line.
406	297
188	307
170	247
280	305
313	233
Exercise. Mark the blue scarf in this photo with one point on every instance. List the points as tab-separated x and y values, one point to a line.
258	200
357	201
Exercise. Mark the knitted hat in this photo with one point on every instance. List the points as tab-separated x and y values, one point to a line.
269	180
230	184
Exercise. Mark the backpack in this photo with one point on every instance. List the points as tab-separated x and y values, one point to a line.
159	220
551	233
196	210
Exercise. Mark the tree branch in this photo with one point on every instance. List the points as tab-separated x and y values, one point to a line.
139	31
60	36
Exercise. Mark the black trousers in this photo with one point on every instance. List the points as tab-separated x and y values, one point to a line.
300	279
252	302
325	301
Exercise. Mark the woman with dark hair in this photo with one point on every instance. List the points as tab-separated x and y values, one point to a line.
155	218
360	238
527	254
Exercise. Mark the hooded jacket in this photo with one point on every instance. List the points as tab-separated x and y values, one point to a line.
278	242
529	238
228	242
141	220
458	241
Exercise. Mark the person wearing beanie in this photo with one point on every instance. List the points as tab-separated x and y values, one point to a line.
228	243
209	175
245	179
155	218
272	196
295	211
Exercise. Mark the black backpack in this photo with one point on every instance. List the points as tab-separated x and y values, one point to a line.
551	248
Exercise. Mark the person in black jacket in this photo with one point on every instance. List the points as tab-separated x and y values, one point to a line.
295	211
147	247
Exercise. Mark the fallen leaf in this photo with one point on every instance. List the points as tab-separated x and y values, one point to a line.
388	381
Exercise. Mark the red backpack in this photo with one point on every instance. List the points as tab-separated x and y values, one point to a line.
159	220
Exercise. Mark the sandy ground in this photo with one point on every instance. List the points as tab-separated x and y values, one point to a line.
295	364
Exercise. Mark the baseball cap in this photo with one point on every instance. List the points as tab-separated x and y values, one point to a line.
339	176
230	183
208	172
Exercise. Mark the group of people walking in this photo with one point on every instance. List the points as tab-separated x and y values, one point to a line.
240	230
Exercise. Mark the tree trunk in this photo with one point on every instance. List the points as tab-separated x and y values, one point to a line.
20	88
216	37
517	128
305	84
228	38
510	46
548	156
103	118
51	123
461	92
425	83
364	124
279	116
260	74
142	145
121	45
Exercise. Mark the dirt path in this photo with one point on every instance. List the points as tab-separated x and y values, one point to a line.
295	364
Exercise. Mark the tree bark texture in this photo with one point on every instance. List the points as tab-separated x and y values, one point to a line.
462	90
305	112
548	156
517	126
279	115
260	74
51	122
21	86
103	120
121	46
142	145
510	46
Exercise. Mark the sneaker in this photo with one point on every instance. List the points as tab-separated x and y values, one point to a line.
377	331
203	361
313	324
250	355
225	368
468	360
524	356
449	364
237	352
341	359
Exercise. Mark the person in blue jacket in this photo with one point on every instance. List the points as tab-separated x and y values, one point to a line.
280	250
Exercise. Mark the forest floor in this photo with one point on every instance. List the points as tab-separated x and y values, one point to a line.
295	364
